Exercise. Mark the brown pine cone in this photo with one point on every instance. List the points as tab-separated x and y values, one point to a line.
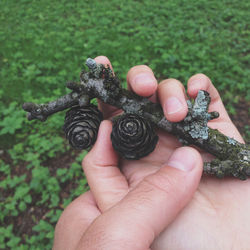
133	137
81	126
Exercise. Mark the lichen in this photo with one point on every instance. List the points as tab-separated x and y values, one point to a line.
233	158
231	141
195	123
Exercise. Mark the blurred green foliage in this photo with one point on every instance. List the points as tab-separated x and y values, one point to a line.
45	43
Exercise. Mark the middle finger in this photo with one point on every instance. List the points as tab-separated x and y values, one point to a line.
172	97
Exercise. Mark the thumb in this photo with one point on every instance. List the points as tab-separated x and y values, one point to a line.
107	183
149	208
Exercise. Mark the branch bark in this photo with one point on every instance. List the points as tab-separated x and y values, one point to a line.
233	158
42	111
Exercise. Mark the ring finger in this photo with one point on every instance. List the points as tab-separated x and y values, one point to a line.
172	97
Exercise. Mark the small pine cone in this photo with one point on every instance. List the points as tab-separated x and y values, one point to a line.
81	126
133	137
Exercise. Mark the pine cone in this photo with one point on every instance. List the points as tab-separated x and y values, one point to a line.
81	126
133	137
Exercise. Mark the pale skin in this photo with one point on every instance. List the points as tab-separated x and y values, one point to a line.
161	201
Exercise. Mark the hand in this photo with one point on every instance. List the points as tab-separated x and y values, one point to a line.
132	206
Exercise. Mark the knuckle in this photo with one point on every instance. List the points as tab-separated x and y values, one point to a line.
168	186
143	196
103	236
71	212
160	183
86	161
170	83
97	238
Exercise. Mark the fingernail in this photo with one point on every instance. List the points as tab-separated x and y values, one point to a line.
183	159
172	105
144	79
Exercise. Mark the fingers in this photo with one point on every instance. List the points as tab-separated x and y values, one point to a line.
75	219
202	82
103	60
223	123
150	207
106	182
171	94
142	81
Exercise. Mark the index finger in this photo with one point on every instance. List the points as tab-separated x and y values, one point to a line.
142	81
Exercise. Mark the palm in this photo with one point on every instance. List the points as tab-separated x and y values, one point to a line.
213	198
211	202
216	205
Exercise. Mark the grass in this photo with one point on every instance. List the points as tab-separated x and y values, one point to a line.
45	43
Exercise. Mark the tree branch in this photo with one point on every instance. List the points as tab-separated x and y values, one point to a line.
42	111
233	157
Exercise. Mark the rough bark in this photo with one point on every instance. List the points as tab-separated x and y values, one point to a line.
233	158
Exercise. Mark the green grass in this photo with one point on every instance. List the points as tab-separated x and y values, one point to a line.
45	43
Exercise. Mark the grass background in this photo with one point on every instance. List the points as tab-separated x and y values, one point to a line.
45	43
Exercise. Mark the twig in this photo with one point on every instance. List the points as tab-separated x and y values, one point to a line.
99	82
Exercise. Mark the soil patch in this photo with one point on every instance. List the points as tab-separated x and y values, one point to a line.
24	222
241	118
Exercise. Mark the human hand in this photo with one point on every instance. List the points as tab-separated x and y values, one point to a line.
197	224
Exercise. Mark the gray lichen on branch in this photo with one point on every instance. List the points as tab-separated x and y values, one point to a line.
233	158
